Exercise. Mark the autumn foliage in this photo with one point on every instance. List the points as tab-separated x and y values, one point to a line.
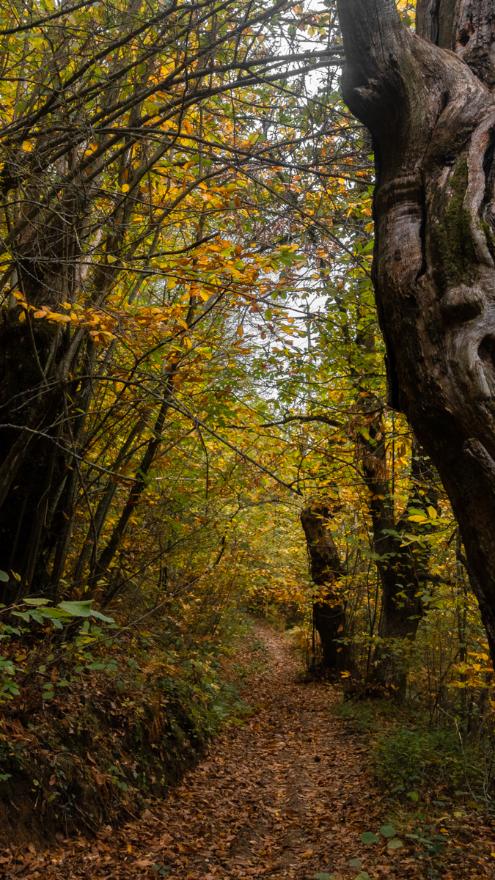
189	359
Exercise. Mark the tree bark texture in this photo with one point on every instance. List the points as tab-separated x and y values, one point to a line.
40	419
427	100
329	611
45	381
402	566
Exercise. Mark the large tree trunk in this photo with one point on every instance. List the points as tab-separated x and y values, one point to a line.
40	418
329	610
403	566
432	117
42	396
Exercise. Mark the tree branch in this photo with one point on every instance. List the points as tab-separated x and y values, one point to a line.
316	418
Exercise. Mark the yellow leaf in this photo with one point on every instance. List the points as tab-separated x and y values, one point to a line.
125	187
432	513
166	69
57	318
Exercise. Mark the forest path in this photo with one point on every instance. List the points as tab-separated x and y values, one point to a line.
285	796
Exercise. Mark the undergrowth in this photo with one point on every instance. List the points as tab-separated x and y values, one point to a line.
116	733
424	764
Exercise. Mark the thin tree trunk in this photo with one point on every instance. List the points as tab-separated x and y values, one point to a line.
90	547
326	568
106	558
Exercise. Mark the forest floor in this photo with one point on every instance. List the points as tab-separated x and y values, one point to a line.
284	795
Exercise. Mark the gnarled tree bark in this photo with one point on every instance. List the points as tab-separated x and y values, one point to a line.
431	113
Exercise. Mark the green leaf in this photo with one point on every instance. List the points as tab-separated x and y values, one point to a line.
57	623
413	796
99	616
369	837
35	601
24	615
388	831
363	876
99	665
77	609
4	577
394	844
83	608
323	875
55	613
355	863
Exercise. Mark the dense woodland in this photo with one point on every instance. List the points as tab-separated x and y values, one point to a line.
200	421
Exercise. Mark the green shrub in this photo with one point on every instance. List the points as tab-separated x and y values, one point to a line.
415	760
361	716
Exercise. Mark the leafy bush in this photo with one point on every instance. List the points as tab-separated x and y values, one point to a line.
35	620
127	717
408	760
361	717
416	761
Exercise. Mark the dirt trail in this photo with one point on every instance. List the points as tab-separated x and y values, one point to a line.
283	796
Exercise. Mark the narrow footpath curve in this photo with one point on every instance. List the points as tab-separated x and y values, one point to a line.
283	796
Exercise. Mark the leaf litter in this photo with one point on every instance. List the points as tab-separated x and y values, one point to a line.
286	795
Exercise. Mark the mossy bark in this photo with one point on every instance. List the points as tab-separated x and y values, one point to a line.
431	113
